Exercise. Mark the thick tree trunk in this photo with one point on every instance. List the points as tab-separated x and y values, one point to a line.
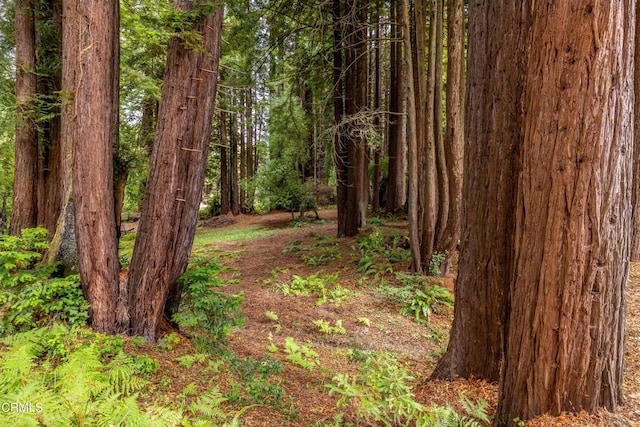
565	336
174	188
635	195
93	132
496	58
25	183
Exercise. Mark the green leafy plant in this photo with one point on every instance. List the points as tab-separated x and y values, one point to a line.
29	297
301	354
207	315
81	387
435	263
323	286
382	393
425	302
328	329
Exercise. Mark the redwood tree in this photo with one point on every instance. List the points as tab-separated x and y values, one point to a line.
497	35
178	162
25	184
92	26
565	330
544	259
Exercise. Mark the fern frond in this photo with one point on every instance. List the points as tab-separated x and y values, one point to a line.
121	375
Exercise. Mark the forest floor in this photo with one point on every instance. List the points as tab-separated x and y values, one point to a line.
263	253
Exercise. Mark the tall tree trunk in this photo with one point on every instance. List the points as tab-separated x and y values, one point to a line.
224	169
377	97
250	147
93	132
454	138
174	189
233	165
635	196
25	184
396	147
412	136
362	85
340	137
565	330
63	248
50	172
438	133
243	153
497	31
427	146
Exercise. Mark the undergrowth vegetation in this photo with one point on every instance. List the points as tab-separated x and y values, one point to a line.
57	371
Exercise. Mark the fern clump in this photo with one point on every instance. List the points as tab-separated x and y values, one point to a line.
29	296
77	386
382	393
204	314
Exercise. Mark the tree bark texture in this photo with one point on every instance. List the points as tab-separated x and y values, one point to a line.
454	137
412	143
635	196
50	172
496	58
25	182
92	131
178	162
565	336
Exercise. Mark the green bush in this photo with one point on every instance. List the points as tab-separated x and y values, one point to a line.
29	296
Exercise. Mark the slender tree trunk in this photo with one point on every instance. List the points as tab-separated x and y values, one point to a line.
362	147
396	182
427	147
377	98
250	148
395	61
224	169
438	133
454	139
3	214
233	164
497	34
92	131
412	143
565	330
178	162
25	184
340	139
50	172
243	153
